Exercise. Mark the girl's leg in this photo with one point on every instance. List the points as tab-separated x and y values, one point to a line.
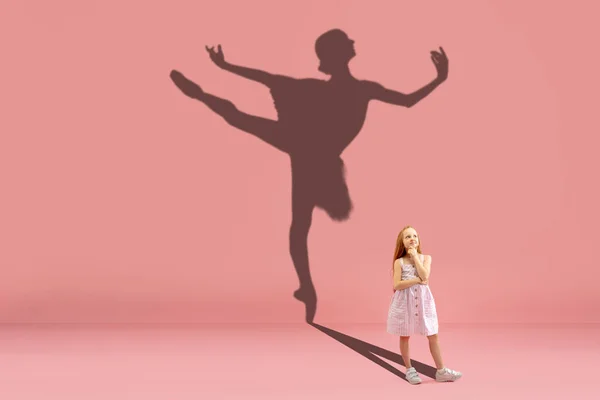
442	374
404	351
436	353
411	374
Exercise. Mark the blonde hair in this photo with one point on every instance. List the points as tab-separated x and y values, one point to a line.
400	249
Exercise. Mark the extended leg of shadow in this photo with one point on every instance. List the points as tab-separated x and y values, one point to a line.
302	211
263	128
372	352
269	131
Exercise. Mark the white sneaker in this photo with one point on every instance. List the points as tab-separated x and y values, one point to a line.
412	377
447	375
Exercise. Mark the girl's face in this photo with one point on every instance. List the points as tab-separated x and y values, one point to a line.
410	238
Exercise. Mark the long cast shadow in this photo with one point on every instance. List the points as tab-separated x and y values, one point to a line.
317	120
372	352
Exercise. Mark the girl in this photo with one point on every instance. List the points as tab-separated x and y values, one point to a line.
412	308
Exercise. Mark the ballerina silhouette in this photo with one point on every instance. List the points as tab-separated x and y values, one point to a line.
317	120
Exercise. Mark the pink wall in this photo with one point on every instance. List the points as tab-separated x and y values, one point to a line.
123	200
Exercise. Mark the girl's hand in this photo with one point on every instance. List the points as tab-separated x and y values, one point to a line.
412	252
423	282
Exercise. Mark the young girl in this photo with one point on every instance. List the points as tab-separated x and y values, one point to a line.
412	308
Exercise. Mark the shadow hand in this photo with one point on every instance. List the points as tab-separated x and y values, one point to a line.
440	60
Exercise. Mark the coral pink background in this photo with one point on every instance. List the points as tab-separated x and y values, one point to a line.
124	201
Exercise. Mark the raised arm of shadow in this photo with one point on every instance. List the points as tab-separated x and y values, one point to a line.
372	352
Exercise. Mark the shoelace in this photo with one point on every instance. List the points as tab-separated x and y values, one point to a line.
449	372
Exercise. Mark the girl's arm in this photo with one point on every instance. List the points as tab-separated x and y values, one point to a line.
400	284
406	284
423	268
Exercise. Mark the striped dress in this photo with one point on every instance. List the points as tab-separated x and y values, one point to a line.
412	310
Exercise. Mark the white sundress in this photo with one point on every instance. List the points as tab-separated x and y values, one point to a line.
412	310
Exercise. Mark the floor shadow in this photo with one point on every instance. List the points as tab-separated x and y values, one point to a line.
316	121
374	353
